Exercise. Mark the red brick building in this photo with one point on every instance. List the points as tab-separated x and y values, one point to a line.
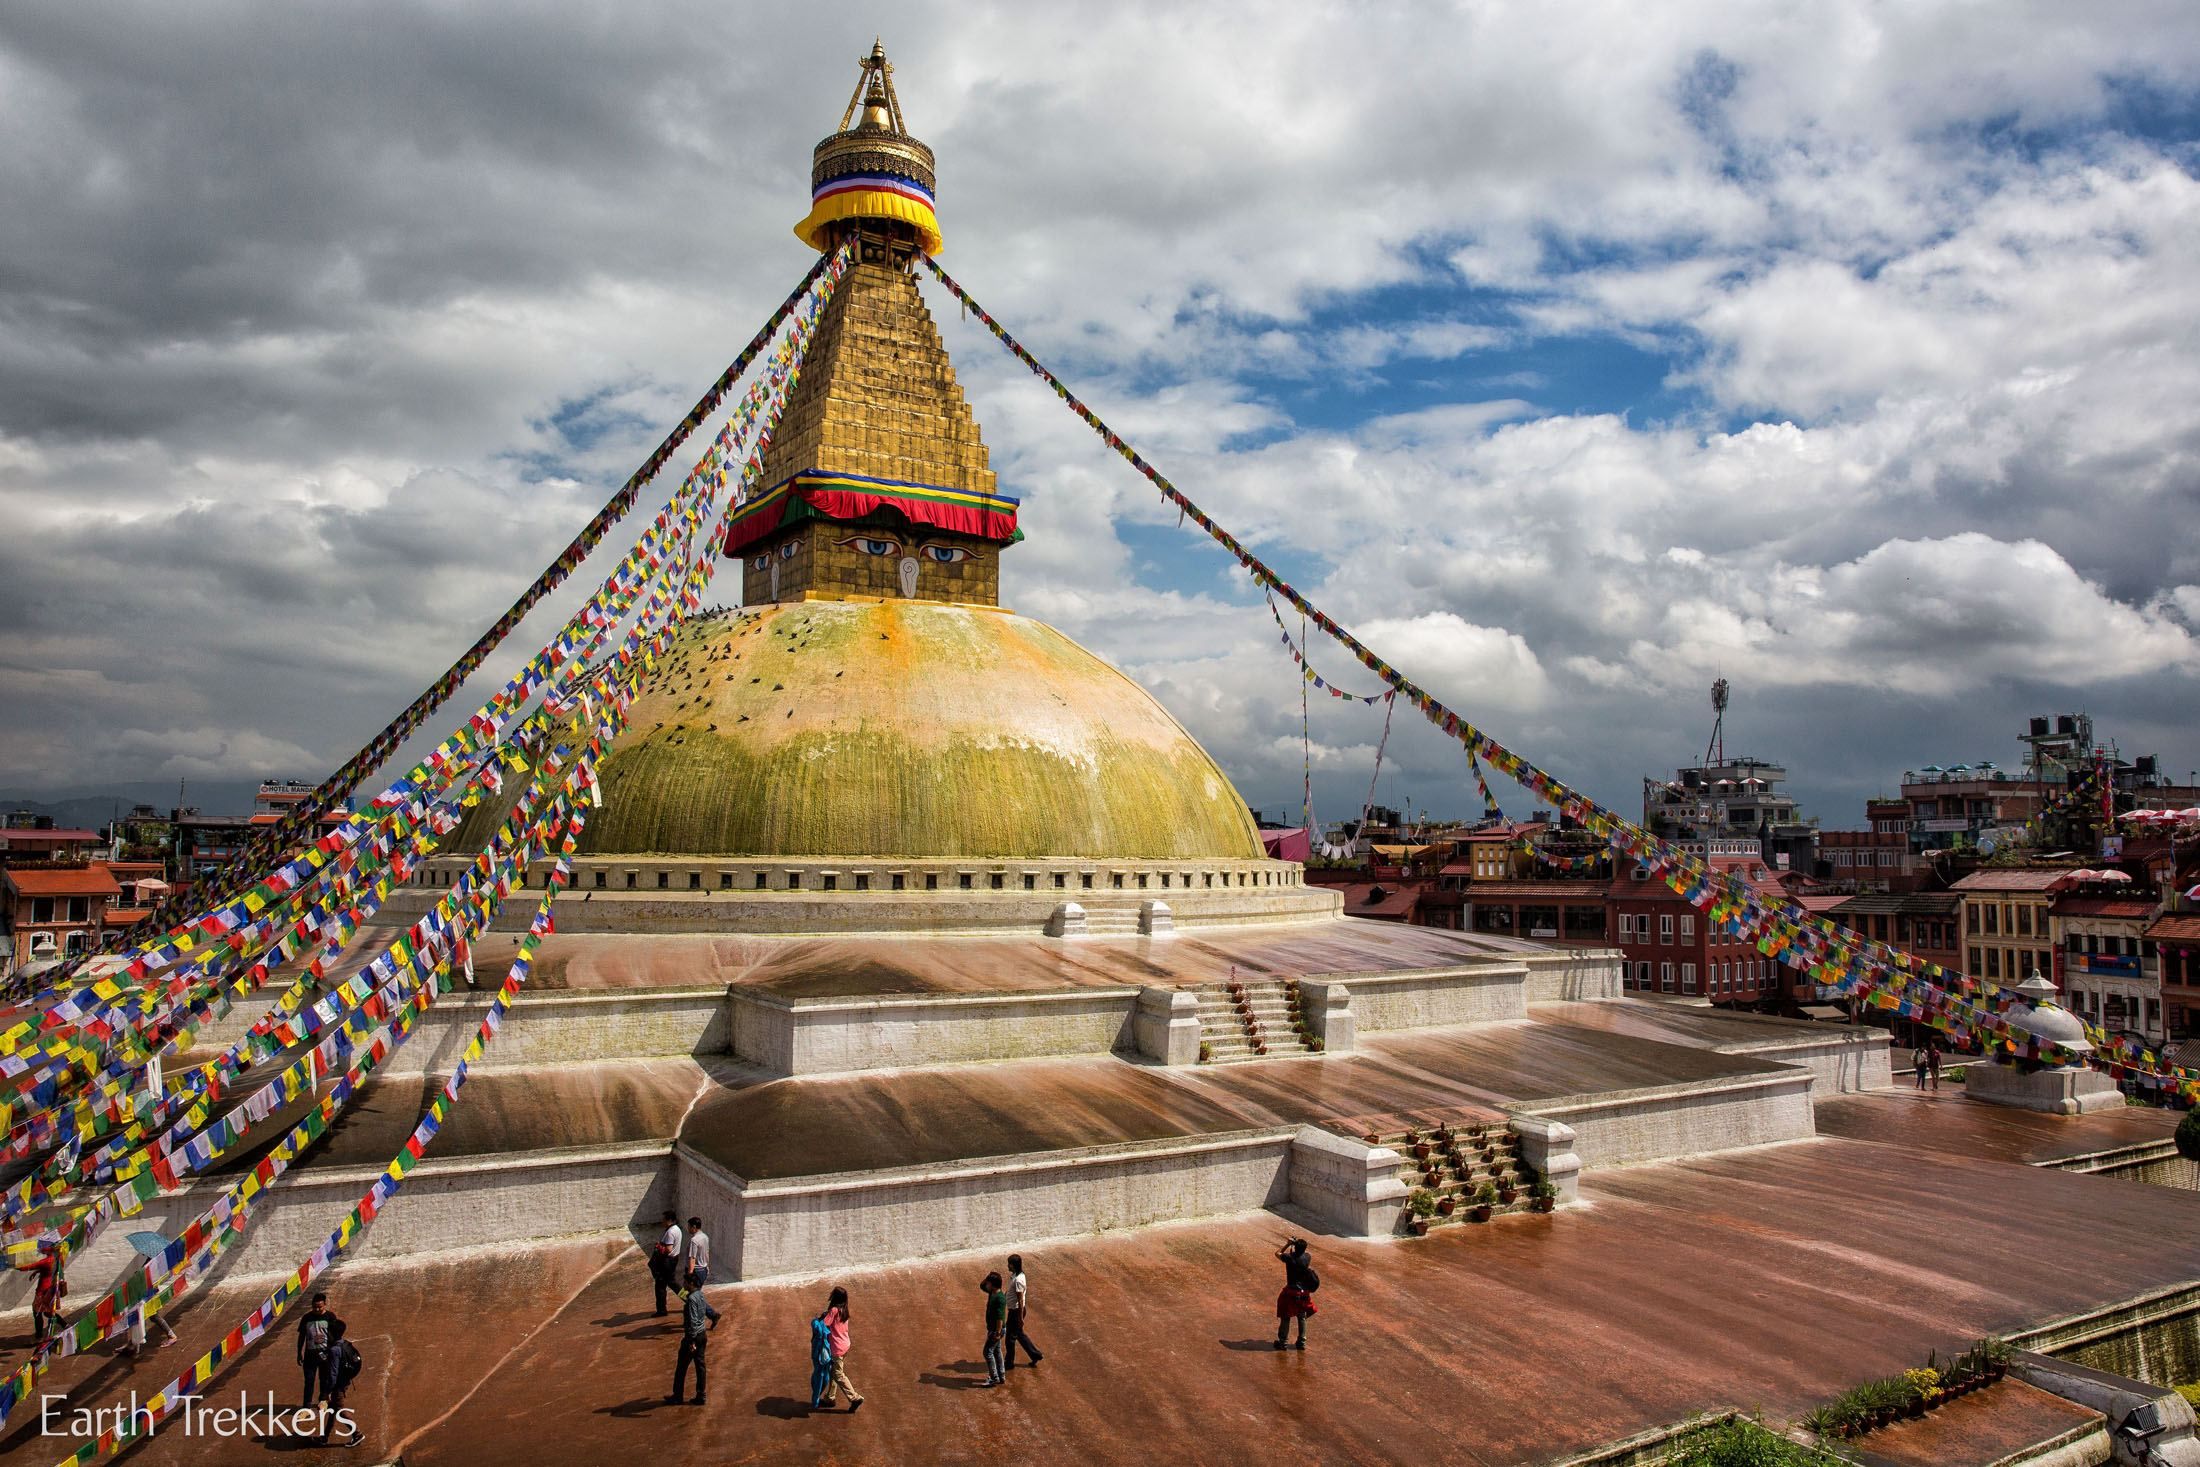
1671	948
53	911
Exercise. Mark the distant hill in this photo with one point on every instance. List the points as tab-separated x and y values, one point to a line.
91	809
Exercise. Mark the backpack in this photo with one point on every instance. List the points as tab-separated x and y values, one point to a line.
1308	1279
348	1363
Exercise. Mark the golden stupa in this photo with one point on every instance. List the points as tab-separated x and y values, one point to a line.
875	699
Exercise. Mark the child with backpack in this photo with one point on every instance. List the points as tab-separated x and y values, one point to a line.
344	1365
1296	1302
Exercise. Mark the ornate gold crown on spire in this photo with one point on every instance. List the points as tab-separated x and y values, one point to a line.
874	173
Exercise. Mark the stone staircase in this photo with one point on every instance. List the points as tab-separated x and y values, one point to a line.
1452	1161
1241	1021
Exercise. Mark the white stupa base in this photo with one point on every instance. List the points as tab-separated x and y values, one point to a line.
2062	1091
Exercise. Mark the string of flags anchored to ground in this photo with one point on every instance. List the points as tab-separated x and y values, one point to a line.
84	1072
1847	962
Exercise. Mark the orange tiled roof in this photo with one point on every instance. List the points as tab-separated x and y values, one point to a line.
63	881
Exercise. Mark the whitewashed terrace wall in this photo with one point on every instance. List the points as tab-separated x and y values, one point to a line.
811	1224
444	1204
1841	1065
1481	994
831	1036
1580	974
1667	1121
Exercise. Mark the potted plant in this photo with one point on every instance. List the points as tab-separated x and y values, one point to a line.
1446	1205
1421	1150
1315	1044
1421	1203
1506	1191
1545	1195
1206	1051
1485	1198
1920	1386
1996	1353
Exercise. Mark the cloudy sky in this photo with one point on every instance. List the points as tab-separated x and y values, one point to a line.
1574	355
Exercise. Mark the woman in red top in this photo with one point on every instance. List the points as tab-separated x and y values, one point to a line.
836	1326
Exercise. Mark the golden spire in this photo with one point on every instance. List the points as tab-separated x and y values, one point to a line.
870	177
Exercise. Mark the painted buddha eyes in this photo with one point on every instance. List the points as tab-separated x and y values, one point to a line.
938	554
786	551
762	562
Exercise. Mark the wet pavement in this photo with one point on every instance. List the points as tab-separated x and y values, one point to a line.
1978	1430
1769	1280
1948	1121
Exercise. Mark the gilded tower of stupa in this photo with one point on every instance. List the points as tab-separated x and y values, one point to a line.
875	699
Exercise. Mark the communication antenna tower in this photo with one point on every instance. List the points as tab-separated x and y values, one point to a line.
1715	752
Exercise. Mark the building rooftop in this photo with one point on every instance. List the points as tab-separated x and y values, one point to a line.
84	881
2013	878
2136	909
1905	903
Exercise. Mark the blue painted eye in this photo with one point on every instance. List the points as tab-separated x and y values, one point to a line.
762	562
945	554
871	546
786	551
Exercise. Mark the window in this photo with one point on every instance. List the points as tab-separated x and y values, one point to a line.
695	881
1665	976
725	881
2024	921
931	881
898	881
963	880
1665	930
1688	928
632	879
1993	920
763	880
1993	962
603	879
664	881
863	881
1626	926
1084	880
1688	977
1642	975
997	880
832	881
794	881
1970	919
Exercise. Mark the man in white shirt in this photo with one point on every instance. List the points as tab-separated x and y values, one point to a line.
1019	1300
664	1259
698	1254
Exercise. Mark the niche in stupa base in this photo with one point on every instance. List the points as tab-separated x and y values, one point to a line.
887	558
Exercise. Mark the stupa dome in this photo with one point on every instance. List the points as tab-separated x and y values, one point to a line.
906	728
2048	1020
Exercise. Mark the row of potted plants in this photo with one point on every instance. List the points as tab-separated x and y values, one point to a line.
1242	1004
1299	1026
1425	1205
1878	1403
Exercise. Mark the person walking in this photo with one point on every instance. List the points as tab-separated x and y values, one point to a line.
1917	1065
318	1333
996	1321
664	1259
344	1365
1296	1302
1019	1302
698	1254
46	1292
835	1319
697	1320
1932	1062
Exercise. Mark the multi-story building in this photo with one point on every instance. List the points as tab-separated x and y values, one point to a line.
1960	806
2006	931
1926	924
28	838
1732	798
51	912
2103	964
1868	860
1671	948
